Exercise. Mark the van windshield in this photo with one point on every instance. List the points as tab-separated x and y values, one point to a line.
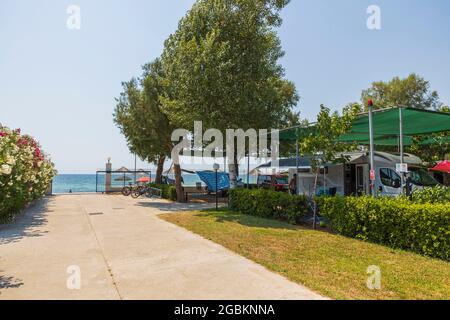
420	177
282	180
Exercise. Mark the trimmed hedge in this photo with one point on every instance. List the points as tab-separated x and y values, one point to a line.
438	194
168	192
396	222
268	204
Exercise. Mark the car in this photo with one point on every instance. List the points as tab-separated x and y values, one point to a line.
277	182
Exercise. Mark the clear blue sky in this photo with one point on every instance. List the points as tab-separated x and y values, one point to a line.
59	85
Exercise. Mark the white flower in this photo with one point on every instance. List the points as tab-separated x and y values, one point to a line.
6	169
10	160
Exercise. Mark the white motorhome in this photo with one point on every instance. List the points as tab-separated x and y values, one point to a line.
353	177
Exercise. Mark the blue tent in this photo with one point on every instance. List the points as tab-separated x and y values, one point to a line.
209	178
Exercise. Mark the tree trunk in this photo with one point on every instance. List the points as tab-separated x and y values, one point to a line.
234	172
178	183
159	169
314	197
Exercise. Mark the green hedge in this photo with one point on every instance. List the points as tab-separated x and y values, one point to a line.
397	222
168	192
268	204
438	194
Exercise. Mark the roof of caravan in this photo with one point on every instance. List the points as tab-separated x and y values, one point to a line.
352	157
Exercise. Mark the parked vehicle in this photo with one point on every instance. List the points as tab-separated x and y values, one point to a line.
277	182
353	177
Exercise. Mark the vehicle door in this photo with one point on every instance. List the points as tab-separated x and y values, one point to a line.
390	182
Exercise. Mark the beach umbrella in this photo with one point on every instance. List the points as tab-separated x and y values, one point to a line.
443	166
143	180
123	178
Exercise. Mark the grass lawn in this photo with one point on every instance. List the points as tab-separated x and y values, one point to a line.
331	265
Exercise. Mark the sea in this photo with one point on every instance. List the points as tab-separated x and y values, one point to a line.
90	183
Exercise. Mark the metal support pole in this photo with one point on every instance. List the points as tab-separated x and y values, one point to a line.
372	151
297	164
217	191
248	170
135	168
402	176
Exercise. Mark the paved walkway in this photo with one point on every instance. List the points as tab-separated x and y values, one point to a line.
124	251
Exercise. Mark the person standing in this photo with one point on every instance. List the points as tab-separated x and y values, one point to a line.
293	185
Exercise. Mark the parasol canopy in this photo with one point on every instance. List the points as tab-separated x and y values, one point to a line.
143	180
123	178
443	166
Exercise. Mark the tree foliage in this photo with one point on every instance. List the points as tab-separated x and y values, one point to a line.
222	66
139	116
322	141
412	91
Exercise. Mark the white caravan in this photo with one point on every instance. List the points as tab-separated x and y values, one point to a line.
353	177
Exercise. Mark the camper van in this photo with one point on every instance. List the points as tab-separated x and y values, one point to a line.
353	177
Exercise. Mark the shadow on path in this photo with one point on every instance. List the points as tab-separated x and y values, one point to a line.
174	206
9	282
26	224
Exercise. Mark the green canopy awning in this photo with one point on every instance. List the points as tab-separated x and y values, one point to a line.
386	127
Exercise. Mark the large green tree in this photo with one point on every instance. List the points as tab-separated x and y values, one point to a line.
412	91
221	67
139	117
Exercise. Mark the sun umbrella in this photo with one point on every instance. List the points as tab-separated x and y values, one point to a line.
143	179
123	178
443	166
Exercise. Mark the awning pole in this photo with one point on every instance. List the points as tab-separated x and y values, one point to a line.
297	189
372	151
400	113
248	169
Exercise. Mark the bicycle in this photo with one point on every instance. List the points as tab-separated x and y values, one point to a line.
148	191
126	191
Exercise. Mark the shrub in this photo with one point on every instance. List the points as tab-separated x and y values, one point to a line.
268	204
25	172
168	192
438	194
397	222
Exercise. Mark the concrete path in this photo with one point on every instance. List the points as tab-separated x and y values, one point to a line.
121	250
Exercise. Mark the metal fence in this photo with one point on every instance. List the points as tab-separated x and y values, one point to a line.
119	179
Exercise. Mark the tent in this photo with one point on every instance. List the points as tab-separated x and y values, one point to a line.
209	178
386	127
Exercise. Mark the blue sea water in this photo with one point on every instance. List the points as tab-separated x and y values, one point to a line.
88	183
85	183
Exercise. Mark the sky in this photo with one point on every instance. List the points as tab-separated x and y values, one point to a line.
59	84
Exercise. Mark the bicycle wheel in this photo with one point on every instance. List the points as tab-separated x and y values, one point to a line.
126	191
136	193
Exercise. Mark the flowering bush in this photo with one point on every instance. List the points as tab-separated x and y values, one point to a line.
25	172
